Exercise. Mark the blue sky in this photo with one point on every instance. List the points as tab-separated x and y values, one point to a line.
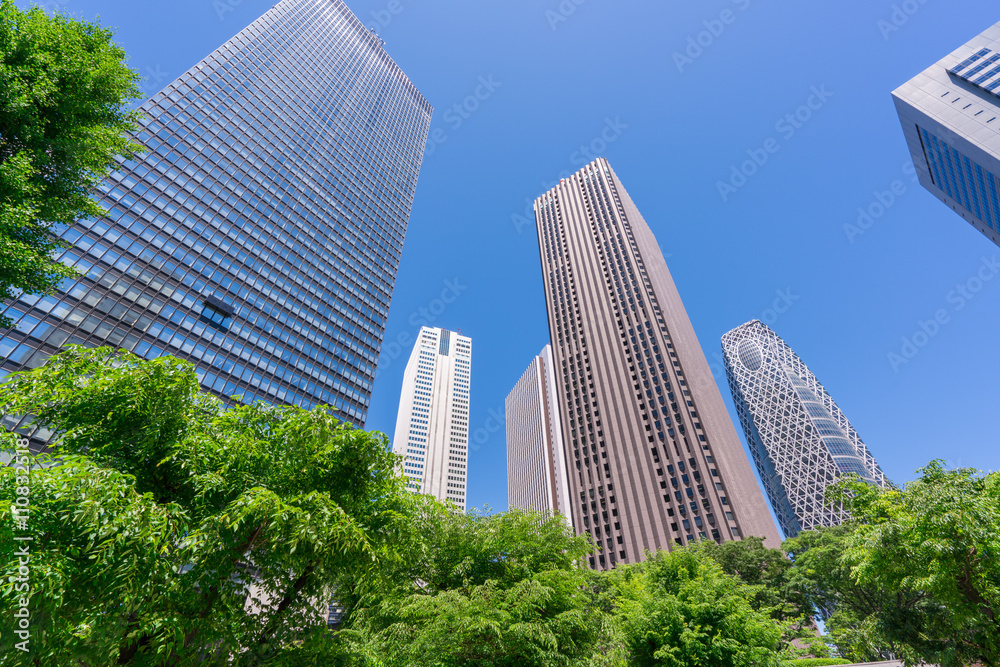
568	78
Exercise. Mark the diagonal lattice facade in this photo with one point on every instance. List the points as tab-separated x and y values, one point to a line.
800	440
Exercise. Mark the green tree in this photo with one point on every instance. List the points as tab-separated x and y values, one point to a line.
479	590
680	609
64	91
938	536
767	569
769	572
854	613
175	532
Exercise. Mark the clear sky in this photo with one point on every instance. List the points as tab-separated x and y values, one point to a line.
604	76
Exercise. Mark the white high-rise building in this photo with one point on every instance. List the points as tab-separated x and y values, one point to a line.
432	427
536	460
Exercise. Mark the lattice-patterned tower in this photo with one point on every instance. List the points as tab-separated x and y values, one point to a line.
800	440
654	460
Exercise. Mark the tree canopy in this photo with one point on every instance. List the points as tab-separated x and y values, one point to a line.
64	117
935	544
173	528
170	530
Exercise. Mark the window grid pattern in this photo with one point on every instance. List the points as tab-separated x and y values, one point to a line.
278	181
637	452
965	181
432	425
981	69
800	440
536	464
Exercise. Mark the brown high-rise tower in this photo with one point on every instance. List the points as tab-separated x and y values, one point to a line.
654	460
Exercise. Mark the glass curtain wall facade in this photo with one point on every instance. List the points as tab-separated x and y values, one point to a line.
432	425
260	234
654	460
950	115
800	440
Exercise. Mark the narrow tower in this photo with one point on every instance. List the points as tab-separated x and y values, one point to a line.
432	427
800	440
260	234
654	460
536	459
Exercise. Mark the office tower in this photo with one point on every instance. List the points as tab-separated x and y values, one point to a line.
259	236
951	119
654	460
800	440
432	426
536	460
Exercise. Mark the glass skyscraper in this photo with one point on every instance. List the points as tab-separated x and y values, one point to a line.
260	234
800	440
950	115
654	460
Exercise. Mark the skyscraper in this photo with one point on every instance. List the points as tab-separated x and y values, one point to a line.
259	236
800	440
432	427
536	459
951	119
654	460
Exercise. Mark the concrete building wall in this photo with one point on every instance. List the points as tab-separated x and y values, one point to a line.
536	460
654	460
432	425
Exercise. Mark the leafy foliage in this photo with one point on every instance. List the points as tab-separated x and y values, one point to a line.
850	608
940	536
168	530
768	569
64	88
505	589
776	589
680	609
164	508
